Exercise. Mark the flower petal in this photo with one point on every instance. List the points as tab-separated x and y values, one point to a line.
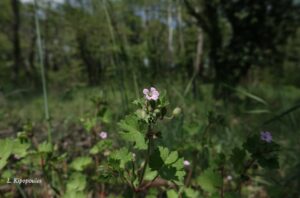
145	91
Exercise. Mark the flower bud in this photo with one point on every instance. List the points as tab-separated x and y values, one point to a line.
141	114
156	111
176	111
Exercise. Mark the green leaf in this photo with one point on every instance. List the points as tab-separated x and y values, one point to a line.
74	194
3	162
130	123
20	149
131	132
101	146
209	180
258	111
75	186
77	182
150	175
252	96
156	161
88	123
167	163
80	163
7	174
5	151
265	153
45	147
173	156
231	195
237	158
135	137
191	193
284	113
10	146
270	162
122	156
172	194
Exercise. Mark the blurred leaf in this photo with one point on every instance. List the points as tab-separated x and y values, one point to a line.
231	195
45	147
77	182
191	193
237	158
131	132
101	146
75	186
150	175
172	194
80	163
270	162
171	158
5	151
265	153
209	180
135	137
250	95
20	149
258	111
167	163
88	123
122	156
284	113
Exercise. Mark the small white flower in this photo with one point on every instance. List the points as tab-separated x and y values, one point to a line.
186	163
103	135
229	177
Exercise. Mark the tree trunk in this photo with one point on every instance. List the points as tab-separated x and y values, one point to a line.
198	61
16	39
170	35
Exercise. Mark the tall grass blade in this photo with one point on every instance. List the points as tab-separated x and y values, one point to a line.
42	67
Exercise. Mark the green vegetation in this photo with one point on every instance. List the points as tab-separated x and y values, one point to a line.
162	98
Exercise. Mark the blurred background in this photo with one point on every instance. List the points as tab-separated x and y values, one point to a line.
237	58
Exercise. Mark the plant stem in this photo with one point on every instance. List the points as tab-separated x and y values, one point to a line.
239	186
147	157
41	59
222	187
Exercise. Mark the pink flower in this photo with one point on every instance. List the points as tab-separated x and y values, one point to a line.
266	136
186	163
151	94
103	135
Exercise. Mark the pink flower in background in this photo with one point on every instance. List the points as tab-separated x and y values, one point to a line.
186	163
266	136
151	94
103	135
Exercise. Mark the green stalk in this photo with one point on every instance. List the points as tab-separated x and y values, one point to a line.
41	61
121	82
147	157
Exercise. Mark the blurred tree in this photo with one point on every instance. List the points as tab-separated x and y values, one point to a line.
242	34
15	4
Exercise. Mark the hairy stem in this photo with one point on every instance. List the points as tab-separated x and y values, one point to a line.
146	161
